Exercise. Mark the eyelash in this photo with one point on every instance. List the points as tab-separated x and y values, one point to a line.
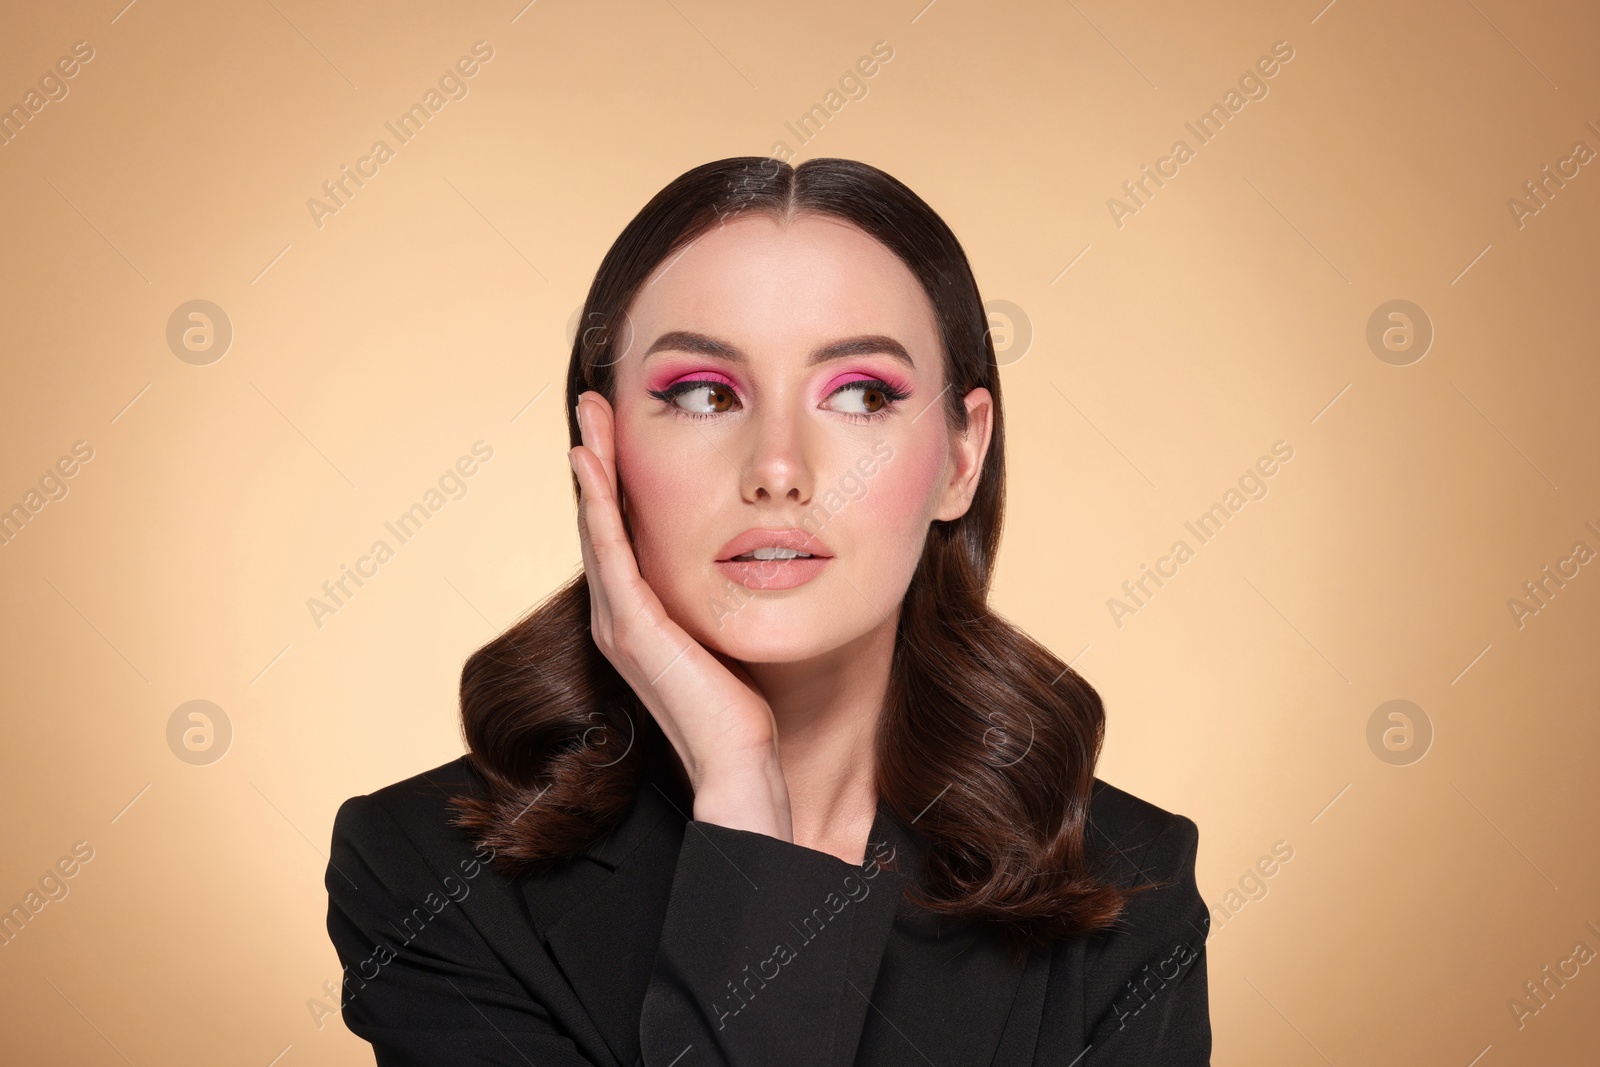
892	397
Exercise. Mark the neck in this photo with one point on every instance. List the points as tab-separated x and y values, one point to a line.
827	709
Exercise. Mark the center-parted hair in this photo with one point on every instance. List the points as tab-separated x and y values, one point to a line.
987	740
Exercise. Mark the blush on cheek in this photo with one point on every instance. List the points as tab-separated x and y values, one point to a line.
666	511
904	489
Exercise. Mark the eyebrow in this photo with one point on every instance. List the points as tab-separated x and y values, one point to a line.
702	344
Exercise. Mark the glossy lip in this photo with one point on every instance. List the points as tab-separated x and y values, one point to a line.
790	537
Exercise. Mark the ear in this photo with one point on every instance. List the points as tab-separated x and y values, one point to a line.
967	453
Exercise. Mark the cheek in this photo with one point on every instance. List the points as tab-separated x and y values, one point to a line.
903	492
664	498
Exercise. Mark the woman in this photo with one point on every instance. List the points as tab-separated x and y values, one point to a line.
769	782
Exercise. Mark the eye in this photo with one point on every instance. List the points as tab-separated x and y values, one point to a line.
872	398
710	398
869	398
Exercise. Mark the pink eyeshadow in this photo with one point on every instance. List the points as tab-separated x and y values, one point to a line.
672	377
857	376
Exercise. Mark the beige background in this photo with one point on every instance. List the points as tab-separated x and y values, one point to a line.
432	310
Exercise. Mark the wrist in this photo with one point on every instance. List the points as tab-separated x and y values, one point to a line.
750	795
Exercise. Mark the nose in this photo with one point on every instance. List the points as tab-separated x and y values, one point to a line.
777	467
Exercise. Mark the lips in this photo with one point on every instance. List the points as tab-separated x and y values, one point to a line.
789	537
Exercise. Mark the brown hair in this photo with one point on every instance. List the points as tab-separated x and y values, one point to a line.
987	740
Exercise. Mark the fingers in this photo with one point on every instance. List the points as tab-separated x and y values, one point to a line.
589	491
617	590
582	467
607	540
599	433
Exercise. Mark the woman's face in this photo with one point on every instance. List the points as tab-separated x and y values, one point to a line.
786	377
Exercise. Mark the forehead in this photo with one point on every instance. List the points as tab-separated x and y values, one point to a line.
765	282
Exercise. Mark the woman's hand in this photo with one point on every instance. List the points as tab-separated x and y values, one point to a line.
706	704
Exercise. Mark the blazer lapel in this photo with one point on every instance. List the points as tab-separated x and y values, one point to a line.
514	915
601	917
1019	1041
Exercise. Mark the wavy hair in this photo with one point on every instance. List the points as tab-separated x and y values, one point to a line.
986	740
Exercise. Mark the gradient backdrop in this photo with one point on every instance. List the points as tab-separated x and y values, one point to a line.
220	383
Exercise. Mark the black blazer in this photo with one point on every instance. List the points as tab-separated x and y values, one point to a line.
652	948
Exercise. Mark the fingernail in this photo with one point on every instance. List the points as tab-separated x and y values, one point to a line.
573	463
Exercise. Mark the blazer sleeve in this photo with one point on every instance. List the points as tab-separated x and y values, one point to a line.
754	963
420	983
1154	968
762	944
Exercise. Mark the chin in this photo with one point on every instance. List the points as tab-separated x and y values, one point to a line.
776	650
771	631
